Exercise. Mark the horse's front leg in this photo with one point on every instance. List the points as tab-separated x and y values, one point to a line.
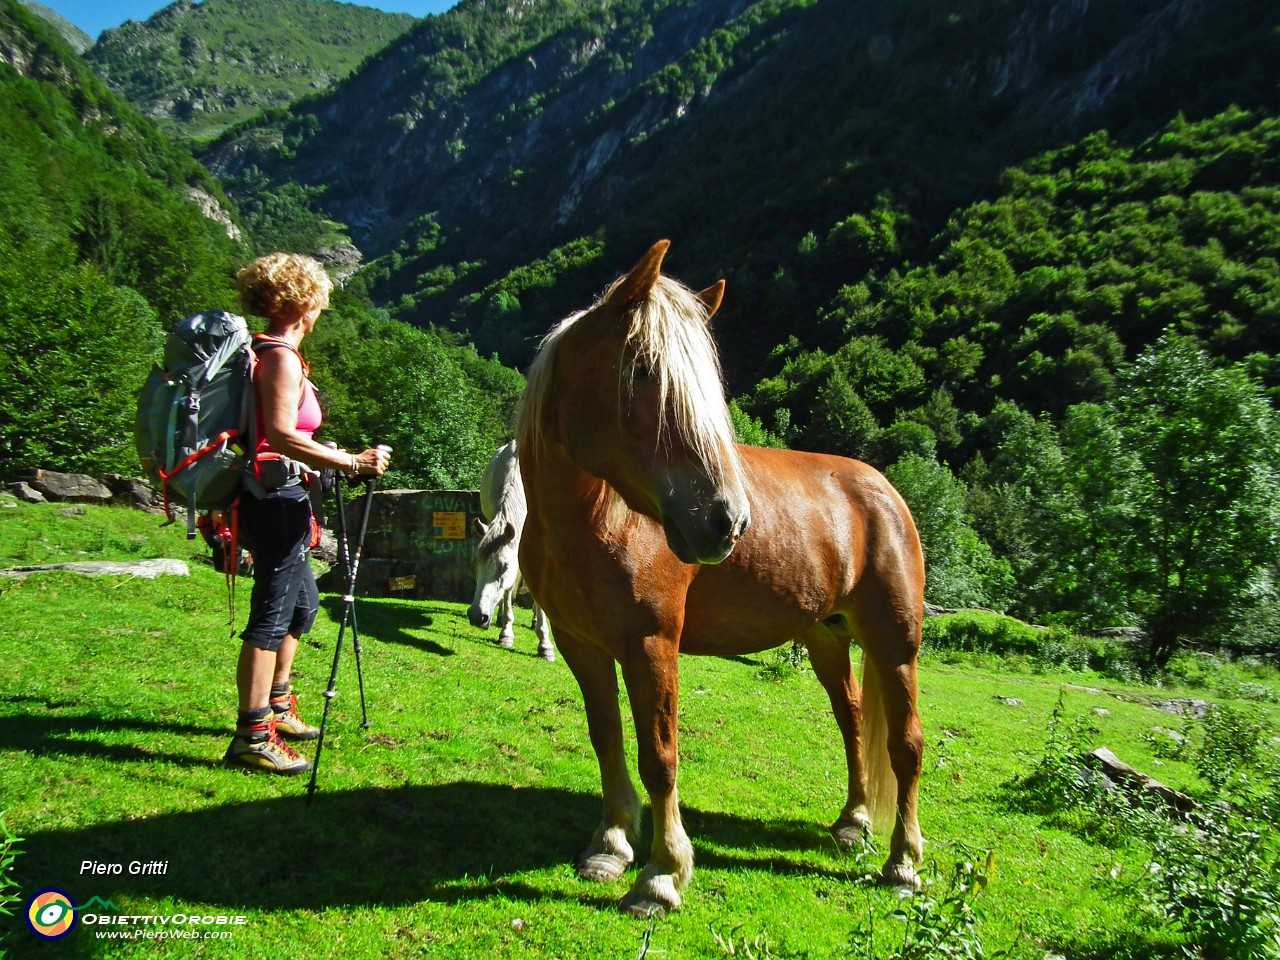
611	850
545	649
652	679
507	619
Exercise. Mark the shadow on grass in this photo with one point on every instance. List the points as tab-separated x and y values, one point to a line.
81	735
387	623
448	843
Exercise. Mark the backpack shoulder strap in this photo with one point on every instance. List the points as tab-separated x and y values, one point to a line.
262	341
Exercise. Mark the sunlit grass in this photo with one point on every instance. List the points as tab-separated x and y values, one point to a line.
448	828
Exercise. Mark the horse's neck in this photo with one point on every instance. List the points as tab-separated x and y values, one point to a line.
567	500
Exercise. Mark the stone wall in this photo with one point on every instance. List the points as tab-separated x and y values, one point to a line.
420	545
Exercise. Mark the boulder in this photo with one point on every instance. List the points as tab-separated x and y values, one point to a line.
147	569
130	491
69	487
26	493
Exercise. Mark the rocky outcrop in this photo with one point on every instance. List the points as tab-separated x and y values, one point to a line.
214	210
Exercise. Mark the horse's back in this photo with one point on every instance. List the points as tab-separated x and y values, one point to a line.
814	499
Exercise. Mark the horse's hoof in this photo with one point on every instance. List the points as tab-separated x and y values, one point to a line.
548	655
601	868
506	643
652	898
851	832
899	874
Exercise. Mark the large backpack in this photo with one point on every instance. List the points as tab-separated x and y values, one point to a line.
196	417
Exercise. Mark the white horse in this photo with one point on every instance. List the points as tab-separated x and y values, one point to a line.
497	555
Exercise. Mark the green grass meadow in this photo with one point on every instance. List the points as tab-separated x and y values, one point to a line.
448	828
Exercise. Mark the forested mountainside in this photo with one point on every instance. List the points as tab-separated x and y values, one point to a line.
1023	256
197	68
109	233
513	143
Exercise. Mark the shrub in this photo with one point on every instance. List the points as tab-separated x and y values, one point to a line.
983	632
1215	878
1211	871
1232	745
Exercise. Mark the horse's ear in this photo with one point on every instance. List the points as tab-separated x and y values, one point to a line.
712	297
638	284
480	528
508	533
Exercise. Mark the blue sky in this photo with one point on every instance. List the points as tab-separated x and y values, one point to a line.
94	16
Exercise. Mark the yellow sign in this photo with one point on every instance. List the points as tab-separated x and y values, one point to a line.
448	525
401	583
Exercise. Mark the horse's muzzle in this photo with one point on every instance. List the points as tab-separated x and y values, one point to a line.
478	618
706	536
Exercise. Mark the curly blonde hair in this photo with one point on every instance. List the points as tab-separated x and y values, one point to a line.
283	286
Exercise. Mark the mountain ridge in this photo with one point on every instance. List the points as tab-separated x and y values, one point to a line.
197	68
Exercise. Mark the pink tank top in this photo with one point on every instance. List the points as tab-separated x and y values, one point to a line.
309	414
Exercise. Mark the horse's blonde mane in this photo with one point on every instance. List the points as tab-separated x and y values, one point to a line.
668	339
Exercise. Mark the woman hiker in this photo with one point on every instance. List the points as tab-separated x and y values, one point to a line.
290	291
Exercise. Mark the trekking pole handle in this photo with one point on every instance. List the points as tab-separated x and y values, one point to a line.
371	481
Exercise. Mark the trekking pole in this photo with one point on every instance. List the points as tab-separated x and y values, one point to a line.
348	607
345	557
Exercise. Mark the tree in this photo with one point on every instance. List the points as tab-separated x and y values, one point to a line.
1209	498
74	351
960	568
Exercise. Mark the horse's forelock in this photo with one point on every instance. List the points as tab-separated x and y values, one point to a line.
669	336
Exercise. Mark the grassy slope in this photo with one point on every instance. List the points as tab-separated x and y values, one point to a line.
447	829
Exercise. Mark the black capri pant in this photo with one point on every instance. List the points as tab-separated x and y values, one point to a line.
285	599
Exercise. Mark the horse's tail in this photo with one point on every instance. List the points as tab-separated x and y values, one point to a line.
882	783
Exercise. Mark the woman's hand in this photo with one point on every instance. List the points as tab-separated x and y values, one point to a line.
372	462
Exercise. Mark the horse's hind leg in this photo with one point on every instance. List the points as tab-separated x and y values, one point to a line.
828	647
610	851
890	641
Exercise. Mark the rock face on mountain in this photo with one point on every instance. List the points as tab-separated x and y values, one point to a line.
412	132
77	38
196	68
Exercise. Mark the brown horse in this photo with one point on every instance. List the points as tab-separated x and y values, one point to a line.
650	533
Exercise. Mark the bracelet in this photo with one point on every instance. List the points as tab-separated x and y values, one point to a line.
355	465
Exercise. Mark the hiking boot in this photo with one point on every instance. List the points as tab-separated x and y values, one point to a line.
260	748
289	723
